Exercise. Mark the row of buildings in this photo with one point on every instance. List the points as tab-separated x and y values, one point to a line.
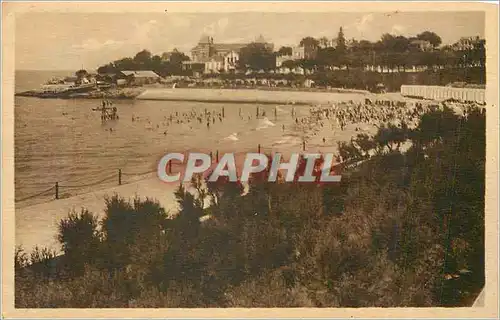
210	57
125	77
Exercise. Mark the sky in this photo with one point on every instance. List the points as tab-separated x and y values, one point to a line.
70	41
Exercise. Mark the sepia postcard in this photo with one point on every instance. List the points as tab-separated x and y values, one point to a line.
249	160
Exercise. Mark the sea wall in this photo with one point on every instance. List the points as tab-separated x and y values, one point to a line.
250	96
444	93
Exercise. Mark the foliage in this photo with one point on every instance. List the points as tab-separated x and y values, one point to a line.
284	51
341	44
394	51
401	229
169	63
256	56
432	37
79	238
389	52
309	42
81	73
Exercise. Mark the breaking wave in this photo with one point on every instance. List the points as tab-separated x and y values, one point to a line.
287	140
279	109
265	123
232	137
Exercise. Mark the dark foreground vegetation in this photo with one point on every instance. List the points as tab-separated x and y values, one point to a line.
401	229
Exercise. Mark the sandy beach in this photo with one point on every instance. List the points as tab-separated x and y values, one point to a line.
215	158
249	96
36	225
278	131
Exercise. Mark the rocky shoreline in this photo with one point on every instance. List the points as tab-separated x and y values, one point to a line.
122	93
134	92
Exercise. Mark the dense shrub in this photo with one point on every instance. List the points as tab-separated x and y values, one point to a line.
80	239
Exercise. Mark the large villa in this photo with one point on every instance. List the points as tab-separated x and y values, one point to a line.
210	57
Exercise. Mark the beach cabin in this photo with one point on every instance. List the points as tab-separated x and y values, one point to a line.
108	77
141	77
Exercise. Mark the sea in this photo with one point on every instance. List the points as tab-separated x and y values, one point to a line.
64	141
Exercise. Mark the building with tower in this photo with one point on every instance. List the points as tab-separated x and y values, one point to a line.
220	56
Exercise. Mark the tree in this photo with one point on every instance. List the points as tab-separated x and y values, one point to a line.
365	45
432	37
478	54
143	57
131	229
310	47
323	42
165	56
79	238
285	51
156	63
308	64
392	43
326	57
256	56
177	57
125	64
290	64
341	43
81	73
107	68
309	42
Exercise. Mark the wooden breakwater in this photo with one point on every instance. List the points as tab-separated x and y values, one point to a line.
444	93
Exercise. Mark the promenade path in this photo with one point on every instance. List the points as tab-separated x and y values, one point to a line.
252	96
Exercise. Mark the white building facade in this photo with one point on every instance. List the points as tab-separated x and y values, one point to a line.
298	53
214	65
231	61
226	63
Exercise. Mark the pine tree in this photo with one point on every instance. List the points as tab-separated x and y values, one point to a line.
341	41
